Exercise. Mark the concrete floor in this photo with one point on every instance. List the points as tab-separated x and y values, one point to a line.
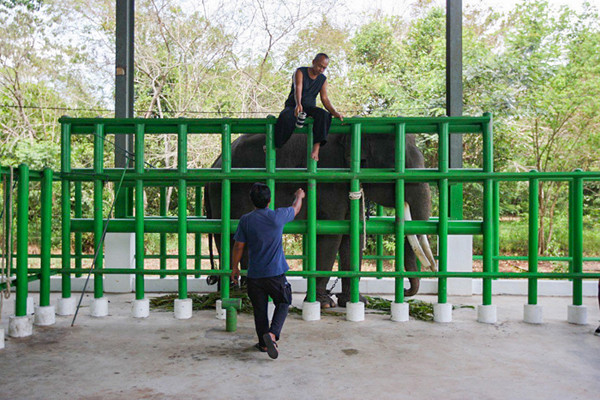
119	357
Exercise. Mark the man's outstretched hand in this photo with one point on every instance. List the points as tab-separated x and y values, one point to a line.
300	193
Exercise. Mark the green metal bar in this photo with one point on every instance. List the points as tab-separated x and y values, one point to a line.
577	228
443	166
399	224
488	222
22	240
355	213
182	208
225	209
496	216
46	237
198	236
533	238
270	161
98	210
379	243
163	236
311	218
139	213
65	167
78	235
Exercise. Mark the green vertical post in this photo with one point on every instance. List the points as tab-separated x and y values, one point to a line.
98	209
8	223
571	220
139	212
488	225
311	219
22	237
533	237
270	161
379	244
198	236
443	167
78	235
355	212
400	161
496	216
65	167
163	236
225	209
182	208
46	233
577	229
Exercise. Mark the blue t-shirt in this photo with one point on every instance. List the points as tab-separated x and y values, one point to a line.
261	230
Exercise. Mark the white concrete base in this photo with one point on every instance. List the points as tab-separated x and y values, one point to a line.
311	311
487	314
442	313
140	308
44	316
355	312
270	310
30	306
577	315
66	306
1	338
399	312
20	326
183	308
99	307
221	312
532	314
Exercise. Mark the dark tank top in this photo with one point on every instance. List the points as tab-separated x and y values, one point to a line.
310	89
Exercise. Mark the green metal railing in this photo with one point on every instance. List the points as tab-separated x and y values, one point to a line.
182	177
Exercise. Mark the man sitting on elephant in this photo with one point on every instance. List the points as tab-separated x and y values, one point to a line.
307	82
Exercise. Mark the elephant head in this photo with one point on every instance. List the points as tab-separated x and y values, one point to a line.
378	151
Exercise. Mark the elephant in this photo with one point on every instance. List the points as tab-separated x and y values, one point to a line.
377	151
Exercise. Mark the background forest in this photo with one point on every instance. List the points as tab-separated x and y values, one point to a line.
535	67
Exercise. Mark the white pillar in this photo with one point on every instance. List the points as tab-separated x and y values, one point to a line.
400	312
99	307
311	311
119	253
355	312
20	326
183	308
44	316
442	313
140	308
460	259
577	315
487	314
532	314
66	306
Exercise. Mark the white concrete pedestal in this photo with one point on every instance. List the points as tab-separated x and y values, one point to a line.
577	315
399	312
311	311
183	308
270	310
119	253
20	326
442	313
66	306
44	316
99	307
30	306
355	312
487	314
221	313
532	314
140	308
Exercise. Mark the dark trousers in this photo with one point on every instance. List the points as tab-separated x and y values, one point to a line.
286	123
259	291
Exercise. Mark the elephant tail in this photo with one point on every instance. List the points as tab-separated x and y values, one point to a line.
210	279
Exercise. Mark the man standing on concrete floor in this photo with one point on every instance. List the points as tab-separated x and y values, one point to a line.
261	231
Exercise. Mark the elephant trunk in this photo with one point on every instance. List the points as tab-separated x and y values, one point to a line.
414	287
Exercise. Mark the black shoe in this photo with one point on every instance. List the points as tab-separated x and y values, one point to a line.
271	346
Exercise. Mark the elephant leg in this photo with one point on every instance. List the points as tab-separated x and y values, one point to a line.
327	249
344	297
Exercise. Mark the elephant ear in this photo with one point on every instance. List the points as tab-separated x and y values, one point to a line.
365	150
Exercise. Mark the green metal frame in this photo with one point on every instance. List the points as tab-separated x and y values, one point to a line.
73	224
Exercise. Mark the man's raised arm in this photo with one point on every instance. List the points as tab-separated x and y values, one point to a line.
297	204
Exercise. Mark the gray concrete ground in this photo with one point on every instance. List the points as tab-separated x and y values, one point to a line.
119	357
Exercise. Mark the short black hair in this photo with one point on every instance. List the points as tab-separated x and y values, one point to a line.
319	55
260	194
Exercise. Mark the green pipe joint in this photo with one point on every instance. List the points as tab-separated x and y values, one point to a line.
231	306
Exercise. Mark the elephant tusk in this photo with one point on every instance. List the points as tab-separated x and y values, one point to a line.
427	248
414	243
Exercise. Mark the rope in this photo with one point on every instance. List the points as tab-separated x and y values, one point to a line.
6	263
